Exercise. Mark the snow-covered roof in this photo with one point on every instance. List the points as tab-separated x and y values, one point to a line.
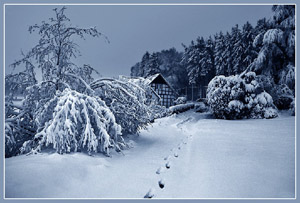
147	81
151	78
139	81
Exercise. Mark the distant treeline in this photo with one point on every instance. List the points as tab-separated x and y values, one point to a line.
268	49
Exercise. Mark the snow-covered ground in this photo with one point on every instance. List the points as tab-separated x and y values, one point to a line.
190	155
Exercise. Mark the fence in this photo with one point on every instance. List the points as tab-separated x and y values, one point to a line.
192	92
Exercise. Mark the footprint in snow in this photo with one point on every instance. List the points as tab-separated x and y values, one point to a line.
168	164
176	154
161	183
167	157
160	170
179	146
150	193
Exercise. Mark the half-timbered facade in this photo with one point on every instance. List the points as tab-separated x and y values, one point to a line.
160	85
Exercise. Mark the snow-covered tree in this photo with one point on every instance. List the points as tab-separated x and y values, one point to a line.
144	64
277	43
237	50
172	69
20	119
249	52
56	47
127	101
152	66
199	59
19	127
228	55
139	69
220	60
208	60
72	121
17	83
276	58
53	55
169	65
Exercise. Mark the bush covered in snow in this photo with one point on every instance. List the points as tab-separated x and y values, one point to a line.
19	126
281	93
237	97
180	100
201	107
181	108
128	102
284	97
73	121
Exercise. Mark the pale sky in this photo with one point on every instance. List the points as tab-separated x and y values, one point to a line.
132	30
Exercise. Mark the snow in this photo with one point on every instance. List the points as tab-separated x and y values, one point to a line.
273	36
97	127
181	107
264	98
207	158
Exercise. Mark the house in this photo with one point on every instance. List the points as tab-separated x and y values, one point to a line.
161	86
161	91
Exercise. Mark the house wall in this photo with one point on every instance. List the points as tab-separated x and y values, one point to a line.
165	92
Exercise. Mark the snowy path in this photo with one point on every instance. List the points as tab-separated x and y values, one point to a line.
185	156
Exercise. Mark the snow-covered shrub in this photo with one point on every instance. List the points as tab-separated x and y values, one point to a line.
180	108
283	97
11	129
180	100
19	127
157	111
201	107
127	102
153	101
281	93
262	106
287	76
73	121
237	97
21	119
38	95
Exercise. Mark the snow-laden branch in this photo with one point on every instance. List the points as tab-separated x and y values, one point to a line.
78	122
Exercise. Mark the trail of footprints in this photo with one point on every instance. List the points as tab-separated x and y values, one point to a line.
167	166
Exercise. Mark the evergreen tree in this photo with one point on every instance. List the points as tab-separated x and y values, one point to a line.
208	60
172	69
219	54
167	62
152	66
249	52
144	64
275	62
237	50
228	55
192	58
277	53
